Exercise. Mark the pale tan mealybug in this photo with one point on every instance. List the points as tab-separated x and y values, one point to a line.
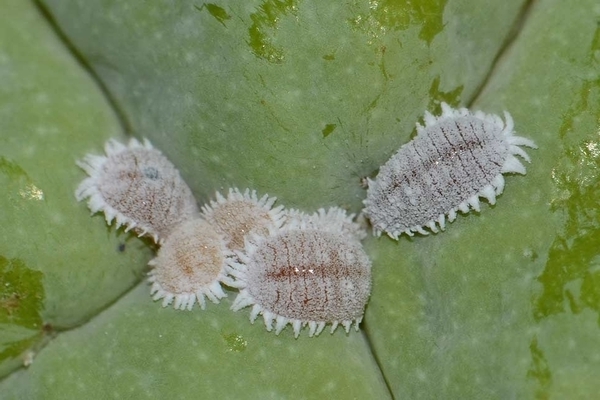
240	214
138	187
303	275
190	265
454	159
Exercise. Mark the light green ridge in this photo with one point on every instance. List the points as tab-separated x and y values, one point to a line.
505	304
137	349
234	108
51	113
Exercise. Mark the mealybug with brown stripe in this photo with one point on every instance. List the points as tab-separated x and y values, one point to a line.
313	271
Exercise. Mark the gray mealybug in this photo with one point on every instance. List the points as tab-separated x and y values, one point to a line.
454	159
136	185
305	273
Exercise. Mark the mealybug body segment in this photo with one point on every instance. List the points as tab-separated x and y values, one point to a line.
454	159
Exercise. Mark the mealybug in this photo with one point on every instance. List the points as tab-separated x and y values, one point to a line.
190	265
454	159
137	186
303	274
240	214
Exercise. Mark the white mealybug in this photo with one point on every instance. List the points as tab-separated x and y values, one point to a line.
136	185
240	214
454	159
303	275
189	266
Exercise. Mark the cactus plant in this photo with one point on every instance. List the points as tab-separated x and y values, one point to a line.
300	99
